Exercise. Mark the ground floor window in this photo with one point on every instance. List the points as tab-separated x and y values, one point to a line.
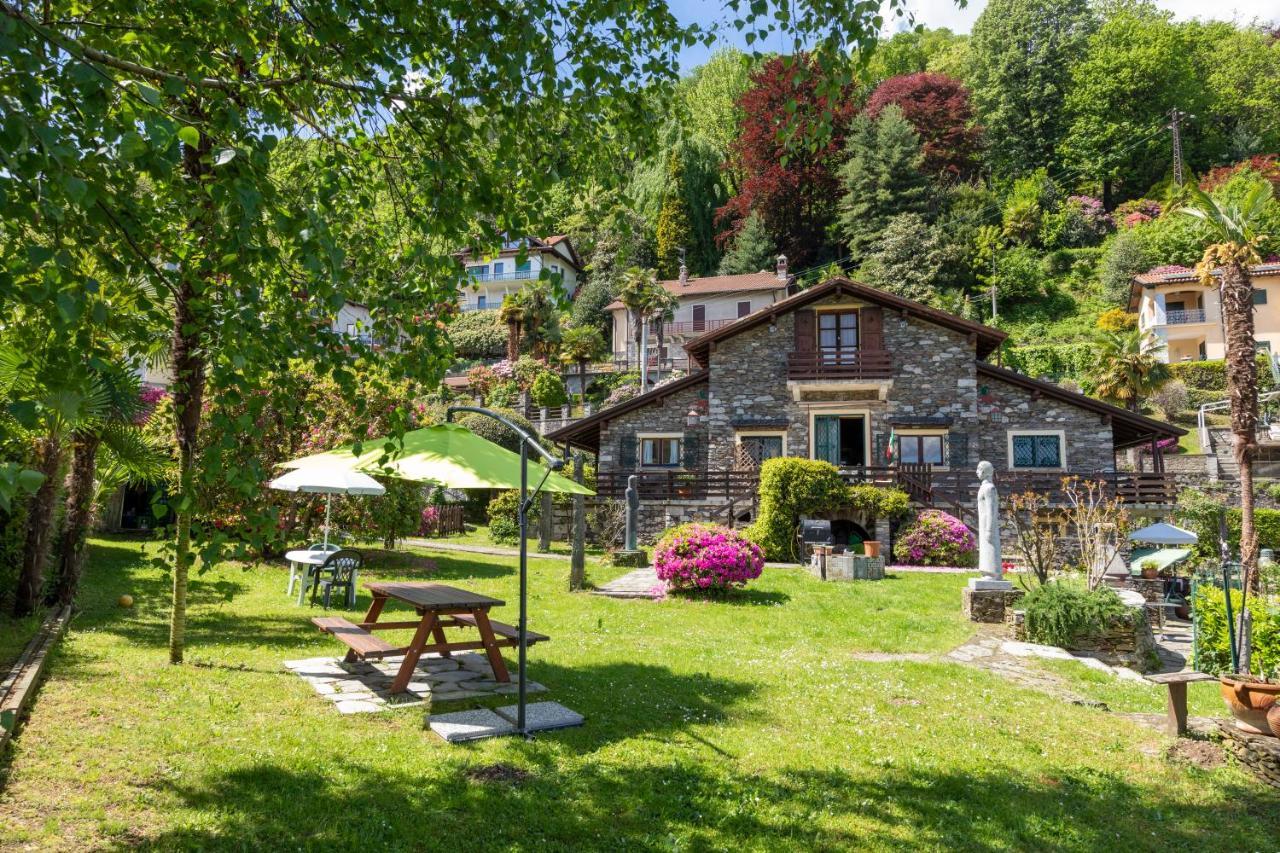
660	451
1035	450
840	439
921	449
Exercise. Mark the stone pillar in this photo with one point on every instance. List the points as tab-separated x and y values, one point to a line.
882	535
987	605
545	522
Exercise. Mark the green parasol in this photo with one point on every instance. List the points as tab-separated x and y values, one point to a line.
446	454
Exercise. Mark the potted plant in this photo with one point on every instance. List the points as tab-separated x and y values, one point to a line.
1250	697
871	548
1150	569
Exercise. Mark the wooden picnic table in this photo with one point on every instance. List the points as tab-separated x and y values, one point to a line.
438	606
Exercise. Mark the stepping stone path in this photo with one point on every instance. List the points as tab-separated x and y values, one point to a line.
641	583
363	687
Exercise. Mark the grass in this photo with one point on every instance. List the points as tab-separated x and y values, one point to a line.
16	633
748	723
479	535
1130	697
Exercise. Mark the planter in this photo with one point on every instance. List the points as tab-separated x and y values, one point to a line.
1150	574
1273	718
1249	702
871	548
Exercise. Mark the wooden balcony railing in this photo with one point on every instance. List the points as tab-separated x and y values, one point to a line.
659	485
840	364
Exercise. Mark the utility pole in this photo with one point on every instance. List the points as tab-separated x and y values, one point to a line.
1175	126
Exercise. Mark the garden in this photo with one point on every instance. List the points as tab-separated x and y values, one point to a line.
835	720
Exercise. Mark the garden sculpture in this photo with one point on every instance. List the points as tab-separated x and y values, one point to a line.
633	513
988	532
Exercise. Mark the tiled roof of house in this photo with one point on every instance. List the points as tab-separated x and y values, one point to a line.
1177	274
536	244
585	433
713	284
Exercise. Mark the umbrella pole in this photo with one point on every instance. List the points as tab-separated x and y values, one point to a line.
524	580
328	506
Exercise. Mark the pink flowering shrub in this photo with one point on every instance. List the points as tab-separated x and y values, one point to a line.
148	399
430	520
706	557
935	538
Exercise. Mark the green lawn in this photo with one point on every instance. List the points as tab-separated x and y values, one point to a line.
479	535
1130	697
15	634
740	724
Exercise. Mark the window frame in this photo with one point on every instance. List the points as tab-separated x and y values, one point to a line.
919	436
741	304
659	439
1259	296
749	433
1060	435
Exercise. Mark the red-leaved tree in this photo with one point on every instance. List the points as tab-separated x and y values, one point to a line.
939	109
792	186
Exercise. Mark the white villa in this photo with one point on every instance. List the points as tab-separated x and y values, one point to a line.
491	278
705	304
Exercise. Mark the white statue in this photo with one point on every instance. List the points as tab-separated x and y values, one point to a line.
989	532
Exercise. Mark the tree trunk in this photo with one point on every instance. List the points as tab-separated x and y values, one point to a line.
637	328
84	457
35	550
513	342
1236	296
188	361
658	370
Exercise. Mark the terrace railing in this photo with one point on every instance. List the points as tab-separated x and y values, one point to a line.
840	364
675	485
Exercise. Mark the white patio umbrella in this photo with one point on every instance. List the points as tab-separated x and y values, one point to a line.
1163	533
328	480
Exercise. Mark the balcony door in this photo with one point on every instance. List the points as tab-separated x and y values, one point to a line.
840	439
838	336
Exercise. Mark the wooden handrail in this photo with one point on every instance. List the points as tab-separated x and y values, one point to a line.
840	364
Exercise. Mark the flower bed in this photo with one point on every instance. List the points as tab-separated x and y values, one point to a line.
706	557
935	538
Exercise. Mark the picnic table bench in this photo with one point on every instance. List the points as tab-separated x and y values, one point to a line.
1177	707
438	606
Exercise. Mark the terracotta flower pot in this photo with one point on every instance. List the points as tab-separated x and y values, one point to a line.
1273	718
1150	574
871	548
1249	702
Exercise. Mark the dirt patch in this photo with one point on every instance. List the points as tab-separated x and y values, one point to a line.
1205	754
500	774
890	657
904	700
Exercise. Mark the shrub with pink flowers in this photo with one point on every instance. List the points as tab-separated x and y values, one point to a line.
935	538
706	557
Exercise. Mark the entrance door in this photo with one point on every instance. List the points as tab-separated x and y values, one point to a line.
840	440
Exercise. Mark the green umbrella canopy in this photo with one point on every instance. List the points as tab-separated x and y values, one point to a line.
446	454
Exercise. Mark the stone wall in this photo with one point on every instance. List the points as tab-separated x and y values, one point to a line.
1260	754
668	414
1128	644
1089	445
989	605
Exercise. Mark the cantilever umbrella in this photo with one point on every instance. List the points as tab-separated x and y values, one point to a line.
454	457
328	480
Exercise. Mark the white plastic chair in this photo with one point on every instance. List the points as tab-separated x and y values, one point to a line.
301	572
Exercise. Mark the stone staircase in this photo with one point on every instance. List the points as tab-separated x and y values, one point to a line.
1220	446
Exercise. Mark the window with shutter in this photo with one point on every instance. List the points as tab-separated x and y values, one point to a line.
1035	451
627	451
826	439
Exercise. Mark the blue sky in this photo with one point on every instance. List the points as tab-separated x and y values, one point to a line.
945	13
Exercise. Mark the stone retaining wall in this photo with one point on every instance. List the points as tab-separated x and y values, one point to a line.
1259	754
989	605
1133	646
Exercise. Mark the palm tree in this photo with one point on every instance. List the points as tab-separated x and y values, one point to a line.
661	309
512	313
1130	368
113	433
581	346
634	293
1233	228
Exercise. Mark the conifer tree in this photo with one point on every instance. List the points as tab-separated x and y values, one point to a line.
881	178
751	250
673	232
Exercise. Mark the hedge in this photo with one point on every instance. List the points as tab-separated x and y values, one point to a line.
1213	650
1211	375
791	488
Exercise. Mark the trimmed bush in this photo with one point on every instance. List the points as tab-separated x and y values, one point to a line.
499	433
503	512
936	538
791	488
478	335
706	557
1067	612
1213	650
548	390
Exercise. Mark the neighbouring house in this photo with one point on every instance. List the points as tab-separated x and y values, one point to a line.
1185	316
706	304
489	279
889	390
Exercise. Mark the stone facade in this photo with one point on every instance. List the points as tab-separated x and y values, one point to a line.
1003	408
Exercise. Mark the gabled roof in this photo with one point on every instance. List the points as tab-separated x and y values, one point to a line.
987	338
718	284
1178	274
585	433
536	244
1128	428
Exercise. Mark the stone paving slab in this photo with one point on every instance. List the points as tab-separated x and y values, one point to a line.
543	716
639	583
360	687
470	725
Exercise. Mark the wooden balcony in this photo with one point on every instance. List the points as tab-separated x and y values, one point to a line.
854	364
679	485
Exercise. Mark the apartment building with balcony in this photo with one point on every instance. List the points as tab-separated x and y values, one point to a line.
706	304
1186	317
489	279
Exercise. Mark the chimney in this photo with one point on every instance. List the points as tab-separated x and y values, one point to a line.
684	274
782	267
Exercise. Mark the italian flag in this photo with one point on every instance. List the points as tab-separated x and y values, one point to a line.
891	450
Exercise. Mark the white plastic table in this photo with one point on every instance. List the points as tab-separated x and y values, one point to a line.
302	566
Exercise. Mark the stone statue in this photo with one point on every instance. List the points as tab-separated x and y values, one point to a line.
633	514
988	532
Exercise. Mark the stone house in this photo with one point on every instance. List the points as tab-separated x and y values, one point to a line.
889	390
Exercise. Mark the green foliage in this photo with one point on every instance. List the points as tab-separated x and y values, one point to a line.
913	50
548	391
1030	198
881	178
1124	256
605	384
497	432
710	97
673	231
912	259
1022	52
503	513
676	193
1020	277
791	488
1065	612
1212	643
751	250
1206	380
589	304
478	335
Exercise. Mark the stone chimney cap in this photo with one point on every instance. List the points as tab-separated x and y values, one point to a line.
684	274
782	267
